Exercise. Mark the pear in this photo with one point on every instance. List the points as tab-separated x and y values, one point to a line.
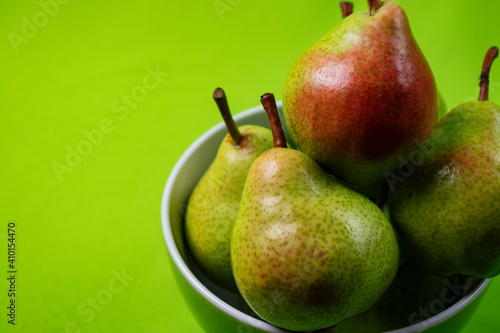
213	205
306	251
362	95
447	213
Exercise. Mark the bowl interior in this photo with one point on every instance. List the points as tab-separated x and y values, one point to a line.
182	180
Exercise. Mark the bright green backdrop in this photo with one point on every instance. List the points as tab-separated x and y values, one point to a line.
92	231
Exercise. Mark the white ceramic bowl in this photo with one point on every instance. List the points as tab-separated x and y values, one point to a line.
220	311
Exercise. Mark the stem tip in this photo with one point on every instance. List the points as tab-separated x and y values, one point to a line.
221	100
346	8
374	5
219	93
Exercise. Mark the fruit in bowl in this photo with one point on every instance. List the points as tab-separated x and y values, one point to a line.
447	212
308	250
448	306
214	203
362	95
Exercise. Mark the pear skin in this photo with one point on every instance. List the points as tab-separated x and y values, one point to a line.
361	96
447	212
405	302
214	203
306	251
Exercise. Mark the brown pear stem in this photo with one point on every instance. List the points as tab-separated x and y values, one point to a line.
269	104
374	5
484	84
221	100
346	8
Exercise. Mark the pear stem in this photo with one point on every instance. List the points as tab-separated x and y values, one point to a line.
374	5
221	100
269	104
485	73
347	8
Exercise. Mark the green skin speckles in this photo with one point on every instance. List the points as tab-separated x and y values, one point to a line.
213	205
411	292
306	251
447	212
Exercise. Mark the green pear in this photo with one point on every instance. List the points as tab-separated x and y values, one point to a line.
362	95
447	212
213	206
306	251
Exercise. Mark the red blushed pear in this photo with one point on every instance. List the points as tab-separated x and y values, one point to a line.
447	213
362	96
306	251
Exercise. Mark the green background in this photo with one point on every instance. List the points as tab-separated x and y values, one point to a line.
79	228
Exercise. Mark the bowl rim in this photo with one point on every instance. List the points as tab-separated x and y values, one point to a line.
235	313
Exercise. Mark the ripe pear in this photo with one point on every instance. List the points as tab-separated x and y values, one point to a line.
447	212
213	206
362	95
306	251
